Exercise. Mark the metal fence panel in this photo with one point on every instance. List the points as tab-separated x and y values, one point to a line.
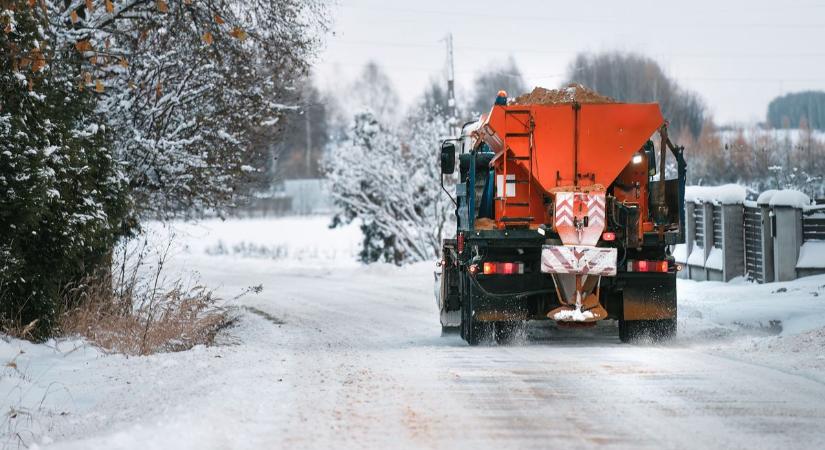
753	244
717	226
813	225
699	225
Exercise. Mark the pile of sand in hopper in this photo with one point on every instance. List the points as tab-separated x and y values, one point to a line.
574	93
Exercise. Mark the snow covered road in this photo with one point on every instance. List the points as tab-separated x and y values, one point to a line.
345	356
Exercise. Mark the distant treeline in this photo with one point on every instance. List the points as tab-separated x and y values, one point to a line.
630	77
800	109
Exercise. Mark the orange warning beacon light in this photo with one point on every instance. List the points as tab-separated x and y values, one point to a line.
501	98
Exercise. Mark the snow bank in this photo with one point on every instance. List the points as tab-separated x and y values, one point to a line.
790	197
715	259
799	306
729	194
195	399
38	382
811	255
697	256
779	325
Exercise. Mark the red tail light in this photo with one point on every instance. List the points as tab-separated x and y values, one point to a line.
647	266
503	268
609	236
460	242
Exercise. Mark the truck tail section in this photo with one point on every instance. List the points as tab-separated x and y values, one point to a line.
563	214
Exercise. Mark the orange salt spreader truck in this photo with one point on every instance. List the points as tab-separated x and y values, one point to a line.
561	216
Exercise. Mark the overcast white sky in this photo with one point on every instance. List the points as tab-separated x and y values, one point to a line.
737	55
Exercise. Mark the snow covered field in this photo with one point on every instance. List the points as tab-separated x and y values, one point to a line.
333	354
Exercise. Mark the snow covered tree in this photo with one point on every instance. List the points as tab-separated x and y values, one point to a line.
62	198
389	181
187	85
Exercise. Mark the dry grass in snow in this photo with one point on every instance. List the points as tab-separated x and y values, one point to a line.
138	311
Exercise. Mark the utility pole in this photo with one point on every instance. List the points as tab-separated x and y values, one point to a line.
451	83
308	141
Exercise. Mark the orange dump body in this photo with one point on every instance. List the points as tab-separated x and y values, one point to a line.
543	149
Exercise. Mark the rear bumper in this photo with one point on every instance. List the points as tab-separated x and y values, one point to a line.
578	260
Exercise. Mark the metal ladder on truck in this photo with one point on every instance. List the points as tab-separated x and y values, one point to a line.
513	159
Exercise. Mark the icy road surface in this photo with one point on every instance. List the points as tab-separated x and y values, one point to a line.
346	356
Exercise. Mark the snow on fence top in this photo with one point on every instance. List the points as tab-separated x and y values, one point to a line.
789	197
765	197
729	194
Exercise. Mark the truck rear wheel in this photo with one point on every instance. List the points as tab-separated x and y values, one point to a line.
656	330
504	330
472	330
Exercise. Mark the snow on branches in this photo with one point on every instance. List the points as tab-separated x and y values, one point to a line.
63	199
389	180
185	84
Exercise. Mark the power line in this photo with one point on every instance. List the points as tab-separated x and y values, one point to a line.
568	19
710	55
404	68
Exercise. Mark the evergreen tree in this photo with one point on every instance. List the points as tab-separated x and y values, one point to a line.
62	198
791	110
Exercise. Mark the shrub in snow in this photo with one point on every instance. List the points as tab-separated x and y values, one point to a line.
135	314
389	180
62	197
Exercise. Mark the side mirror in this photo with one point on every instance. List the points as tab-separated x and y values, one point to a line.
447	158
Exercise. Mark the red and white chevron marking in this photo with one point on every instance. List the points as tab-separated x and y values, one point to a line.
564	209
579	260
595	209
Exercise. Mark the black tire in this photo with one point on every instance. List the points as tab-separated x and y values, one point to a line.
472	330
504	331
655	330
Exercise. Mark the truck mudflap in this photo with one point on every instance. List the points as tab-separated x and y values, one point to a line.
578	260
648	296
